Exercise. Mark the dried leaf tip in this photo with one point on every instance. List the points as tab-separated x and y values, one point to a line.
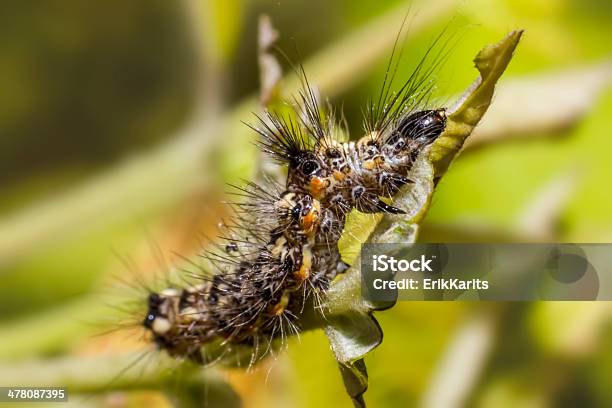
491	62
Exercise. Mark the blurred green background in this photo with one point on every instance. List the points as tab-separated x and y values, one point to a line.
120	122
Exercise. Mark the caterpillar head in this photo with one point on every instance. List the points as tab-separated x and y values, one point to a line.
415	131
308	173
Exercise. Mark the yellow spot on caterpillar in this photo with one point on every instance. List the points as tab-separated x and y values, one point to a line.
338	175
280	307
304	272
170	292
287	202
190	314
279	247
161	325
369	164
372	136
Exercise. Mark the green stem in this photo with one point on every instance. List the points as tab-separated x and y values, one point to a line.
131	371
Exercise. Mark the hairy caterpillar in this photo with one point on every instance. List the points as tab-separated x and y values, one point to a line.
263	271
282	248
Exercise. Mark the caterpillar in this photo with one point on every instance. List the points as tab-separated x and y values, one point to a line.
281	249
263	269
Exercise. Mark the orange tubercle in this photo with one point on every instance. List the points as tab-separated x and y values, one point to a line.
303	273
309	220
317	186
278	309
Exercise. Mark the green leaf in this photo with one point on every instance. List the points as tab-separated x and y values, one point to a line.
355	377
491	62
350	326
